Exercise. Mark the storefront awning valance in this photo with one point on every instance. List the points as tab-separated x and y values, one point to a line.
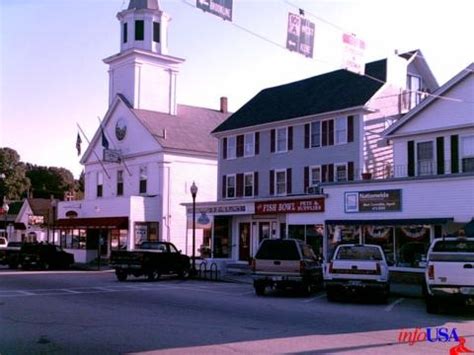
389	222
102	222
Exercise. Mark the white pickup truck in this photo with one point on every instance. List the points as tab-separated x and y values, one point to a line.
449	276
357	268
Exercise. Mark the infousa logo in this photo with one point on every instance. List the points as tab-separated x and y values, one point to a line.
441	334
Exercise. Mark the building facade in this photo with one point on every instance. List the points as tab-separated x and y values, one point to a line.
147	151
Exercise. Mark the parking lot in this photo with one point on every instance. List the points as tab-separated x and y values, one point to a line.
80	312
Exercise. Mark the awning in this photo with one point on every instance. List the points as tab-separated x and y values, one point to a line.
102	222
389	222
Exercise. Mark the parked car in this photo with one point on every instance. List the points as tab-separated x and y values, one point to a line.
449	276
44	256
10	255
286	263
151	259
357	268
3	242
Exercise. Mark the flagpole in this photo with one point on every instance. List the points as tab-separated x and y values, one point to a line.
121	160
93	151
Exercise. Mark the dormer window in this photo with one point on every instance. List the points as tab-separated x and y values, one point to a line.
139	30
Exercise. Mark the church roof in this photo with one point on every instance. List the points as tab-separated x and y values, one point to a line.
144	4
189	130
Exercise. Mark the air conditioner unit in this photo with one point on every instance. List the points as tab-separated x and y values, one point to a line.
314	190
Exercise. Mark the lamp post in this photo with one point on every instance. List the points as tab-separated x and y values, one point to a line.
194	191
5	208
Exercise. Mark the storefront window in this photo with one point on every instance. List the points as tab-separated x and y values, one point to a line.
118	239
382	236
311	234
205	248
412	243
73	238
342	235
222	237
146	232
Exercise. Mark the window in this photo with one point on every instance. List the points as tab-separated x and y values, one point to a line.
248	185
120	183
281	144
315	175
156	32
230	186
231	147
125	32
143	180
424	154
280	182
249	146
467	151
341	172
315	134
414	87
139	30
100	184
341	130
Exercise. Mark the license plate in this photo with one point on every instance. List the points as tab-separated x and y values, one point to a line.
467	290
355	283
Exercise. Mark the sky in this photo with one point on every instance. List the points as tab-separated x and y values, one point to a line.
52	76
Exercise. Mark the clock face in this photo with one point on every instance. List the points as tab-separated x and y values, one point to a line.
120	129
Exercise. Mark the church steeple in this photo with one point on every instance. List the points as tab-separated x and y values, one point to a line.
143	71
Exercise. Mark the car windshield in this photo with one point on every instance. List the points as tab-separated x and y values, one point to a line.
453	250
278	250
359	253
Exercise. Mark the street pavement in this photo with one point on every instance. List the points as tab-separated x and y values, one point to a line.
87	312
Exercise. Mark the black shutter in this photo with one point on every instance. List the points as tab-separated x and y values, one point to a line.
224	186
288	181
224	148
272	182
240	185
350	171
290	138
272	141
257	143
350	129
306	135
454	154
255	183
240	146
440	155
331	172
331	132
411	158
324	172
306	178
324	130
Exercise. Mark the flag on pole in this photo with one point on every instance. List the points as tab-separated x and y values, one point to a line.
78	144
105	142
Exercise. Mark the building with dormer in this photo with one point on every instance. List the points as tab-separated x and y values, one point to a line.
143	159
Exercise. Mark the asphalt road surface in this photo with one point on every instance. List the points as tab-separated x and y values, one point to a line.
92	313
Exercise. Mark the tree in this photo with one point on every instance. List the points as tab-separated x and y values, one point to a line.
16	183
47	181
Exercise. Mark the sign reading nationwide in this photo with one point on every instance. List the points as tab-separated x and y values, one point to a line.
221	8
300	36
290	206
373	201
353	55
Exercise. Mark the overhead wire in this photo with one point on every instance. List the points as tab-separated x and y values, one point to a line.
255	34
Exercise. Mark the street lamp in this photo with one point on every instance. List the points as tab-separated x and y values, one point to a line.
5	208
194	191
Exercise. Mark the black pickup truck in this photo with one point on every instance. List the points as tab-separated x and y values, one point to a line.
152	260
10	255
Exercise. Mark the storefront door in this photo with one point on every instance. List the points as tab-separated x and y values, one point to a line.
244	241
264	231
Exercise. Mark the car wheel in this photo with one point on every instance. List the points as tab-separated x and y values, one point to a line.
331	295
432	305
306	289
121	275
259	289
153	275
183	274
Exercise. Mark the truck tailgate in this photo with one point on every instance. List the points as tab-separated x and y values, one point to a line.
277	266
453	273
350	268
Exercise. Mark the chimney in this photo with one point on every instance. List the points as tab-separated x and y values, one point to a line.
224	104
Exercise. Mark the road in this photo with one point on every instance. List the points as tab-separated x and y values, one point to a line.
90	312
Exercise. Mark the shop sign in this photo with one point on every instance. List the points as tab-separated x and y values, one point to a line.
35	220
219	210
373	201
290	206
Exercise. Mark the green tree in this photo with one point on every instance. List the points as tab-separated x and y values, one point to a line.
15	184
47	181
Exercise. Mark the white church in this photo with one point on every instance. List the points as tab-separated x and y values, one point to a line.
142	161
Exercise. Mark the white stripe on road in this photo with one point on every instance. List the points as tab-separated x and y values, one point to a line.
314	298
393	304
